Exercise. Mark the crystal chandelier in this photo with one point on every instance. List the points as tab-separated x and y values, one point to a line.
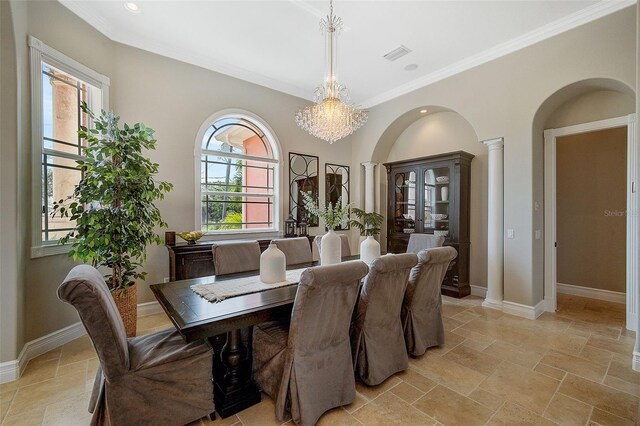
331	118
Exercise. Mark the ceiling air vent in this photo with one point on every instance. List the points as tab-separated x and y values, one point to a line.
397	53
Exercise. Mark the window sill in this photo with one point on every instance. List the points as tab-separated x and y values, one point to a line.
230	235
49	250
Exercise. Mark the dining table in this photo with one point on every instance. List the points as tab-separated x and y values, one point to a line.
227	326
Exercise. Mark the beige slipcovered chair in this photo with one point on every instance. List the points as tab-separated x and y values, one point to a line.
422	305
296	250
153	379
345	249
377	340
307	369
232	257
419	242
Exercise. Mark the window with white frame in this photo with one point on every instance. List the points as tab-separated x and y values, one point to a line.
59	85
238	177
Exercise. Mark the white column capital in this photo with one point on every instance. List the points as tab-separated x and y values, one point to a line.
495	143
369	164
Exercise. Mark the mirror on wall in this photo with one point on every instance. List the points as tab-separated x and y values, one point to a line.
337	185
303	177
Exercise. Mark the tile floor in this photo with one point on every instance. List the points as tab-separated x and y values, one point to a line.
568	368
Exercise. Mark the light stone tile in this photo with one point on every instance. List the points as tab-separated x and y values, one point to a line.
32	417
416	379
451	341
77	350
76	367
616	346
388	409
489	400
622	370
357	403
607	419
513	414
481	362
450	311
514	354
69	412
406	392
372	392
572	364
6	396
552	372
337	417
455	376
450	324
44	393
520	385
623	385
568	411
465	316
600	396
564	342
451	408
600	356
496	330
262	414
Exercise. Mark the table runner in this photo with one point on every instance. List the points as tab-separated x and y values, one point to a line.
218	291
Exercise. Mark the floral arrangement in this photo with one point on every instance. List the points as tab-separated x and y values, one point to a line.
333	216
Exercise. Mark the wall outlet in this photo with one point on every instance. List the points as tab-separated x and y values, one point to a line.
165	280
510	234
538	234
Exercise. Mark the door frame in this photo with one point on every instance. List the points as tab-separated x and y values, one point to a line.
550	251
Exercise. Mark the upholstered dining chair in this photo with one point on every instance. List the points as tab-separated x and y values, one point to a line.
152	379
296	250
422	305
307	368
419	242
377	339
231	257
345	249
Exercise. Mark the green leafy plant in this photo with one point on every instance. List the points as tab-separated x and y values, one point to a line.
333	216
369	224
113	204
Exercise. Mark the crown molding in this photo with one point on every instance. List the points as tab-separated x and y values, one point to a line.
569	22
589	14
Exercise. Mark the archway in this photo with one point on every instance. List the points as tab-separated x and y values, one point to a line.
579	108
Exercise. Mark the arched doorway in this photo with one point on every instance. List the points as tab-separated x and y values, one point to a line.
583	118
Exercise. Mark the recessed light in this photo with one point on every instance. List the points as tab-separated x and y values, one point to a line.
411	67
423	111
132	7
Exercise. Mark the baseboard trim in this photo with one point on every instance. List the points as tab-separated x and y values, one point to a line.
635	361
11	370
592	293
524	311
479	291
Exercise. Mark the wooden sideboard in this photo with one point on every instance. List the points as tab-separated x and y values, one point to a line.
188	261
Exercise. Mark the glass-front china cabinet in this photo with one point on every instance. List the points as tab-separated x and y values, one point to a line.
431	195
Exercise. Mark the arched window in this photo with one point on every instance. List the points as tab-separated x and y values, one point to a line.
238	176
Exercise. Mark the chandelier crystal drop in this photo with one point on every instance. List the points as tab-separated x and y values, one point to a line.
331	117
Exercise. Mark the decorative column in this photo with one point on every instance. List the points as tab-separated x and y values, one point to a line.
495	237
369	186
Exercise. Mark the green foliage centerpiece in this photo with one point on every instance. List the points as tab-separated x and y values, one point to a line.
333	216
369	224
113	204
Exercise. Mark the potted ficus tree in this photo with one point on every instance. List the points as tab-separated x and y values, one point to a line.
369	226
113	206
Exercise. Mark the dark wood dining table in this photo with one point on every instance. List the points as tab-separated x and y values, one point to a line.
222	325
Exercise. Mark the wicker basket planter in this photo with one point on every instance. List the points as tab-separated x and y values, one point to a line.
127	303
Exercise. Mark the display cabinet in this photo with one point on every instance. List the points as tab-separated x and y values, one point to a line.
431	195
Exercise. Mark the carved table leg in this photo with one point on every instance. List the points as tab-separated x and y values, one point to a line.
234	388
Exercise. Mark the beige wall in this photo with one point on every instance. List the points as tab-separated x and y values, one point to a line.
500	99
442	132
591	174
592	106
170	96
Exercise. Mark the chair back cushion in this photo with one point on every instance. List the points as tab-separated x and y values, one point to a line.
422	306
231	257
296	250
419	242
85	289
319	370
377	337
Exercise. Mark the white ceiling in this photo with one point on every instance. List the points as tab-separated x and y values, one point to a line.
278	44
